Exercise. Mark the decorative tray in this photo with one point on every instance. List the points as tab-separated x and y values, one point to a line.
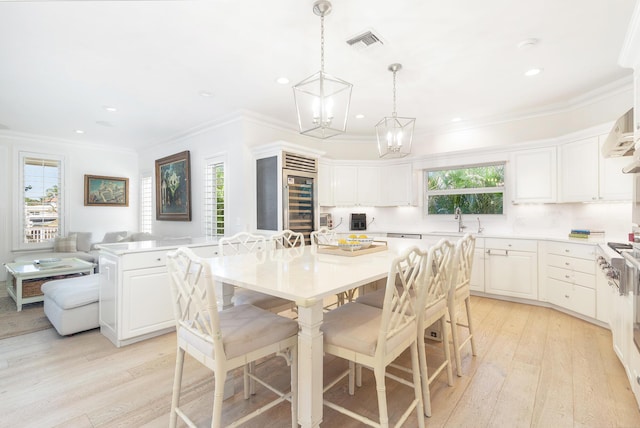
351	250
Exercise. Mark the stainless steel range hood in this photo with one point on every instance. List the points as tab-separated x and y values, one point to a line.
620	140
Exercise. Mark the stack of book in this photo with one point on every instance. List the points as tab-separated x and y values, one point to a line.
586	234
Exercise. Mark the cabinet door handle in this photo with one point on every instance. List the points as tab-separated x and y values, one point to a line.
159	259
506	253
566	296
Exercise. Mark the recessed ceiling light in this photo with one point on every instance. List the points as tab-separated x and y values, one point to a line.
533	72
456	119
205	94
79	131
359	116
282	80
110	108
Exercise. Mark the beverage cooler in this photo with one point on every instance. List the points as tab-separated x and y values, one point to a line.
287	195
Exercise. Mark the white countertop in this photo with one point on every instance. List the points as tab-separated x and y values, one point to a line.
120	248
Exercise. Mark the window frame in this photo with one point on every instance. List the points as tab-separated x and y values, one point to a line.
18	220
146	203
206	214
460	191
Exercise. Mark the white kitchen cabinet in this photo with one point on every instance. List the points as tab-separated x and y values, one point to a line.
135	297
614	184
586	176
356	185
325	184
396	185
511	267
534	175
570	276
579	170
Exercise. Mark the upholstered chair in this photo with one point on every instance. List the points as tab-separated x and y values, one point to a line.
224	340
375	337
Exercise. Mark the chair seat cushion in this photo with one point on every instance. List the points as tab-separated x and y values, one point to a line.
71	293
244	328
356	326
265	301
374	298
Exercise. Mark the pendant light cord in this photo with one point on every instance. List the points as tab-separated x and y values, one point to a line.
322	43
394	94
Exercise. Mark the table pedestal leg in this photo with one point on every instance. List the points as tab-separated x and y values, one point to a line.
310	355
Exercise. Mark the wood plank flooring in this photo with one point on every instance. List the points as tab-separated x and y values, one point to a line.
535	367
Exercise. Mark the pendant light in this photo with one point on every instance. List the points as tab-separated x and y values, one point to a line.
322	101
395	133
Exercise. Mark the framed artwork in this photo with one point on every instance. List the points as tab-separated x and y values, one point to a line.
106	191
173	188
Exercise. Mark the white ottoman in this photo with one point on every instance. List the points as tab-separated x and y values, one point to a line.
71	304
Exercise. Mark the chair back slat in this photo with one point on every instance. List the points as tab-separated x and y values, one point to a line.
287	239
324	235
465	248
439	272
403	291
241	243
194	298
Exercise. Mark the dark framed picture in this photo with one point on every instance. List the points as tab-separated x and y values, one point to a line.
106	191
173	188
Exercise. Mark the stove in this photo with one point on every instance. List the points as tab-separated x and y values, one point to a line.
611	262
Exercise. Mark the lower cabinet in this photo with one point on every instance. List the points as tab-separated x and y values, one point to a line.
511	267
570	276
135	296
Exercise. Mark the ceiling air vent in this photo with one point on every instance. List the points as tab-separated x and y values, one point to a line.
364	40
299	163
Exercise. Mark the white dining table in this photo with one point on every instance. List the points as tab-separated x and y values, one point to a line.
306	277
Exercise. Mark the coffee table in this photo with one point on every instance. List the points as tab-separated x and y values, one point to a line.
21	271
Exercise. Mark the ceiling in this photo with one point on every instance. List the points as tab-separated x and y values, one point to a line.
63	63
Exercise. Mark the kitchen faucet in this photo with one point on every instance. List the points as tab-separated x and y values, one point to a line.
480	228
458	216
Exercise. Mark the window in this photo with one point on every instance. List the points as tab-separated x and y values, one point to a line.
146	204
476	189
214	197
41	214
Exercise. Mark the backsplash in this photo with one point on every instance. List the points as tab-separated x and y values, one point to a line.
544	220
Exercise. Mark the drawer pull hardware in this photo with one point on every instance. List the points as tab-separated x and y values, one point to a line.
566	295
567	264
159	259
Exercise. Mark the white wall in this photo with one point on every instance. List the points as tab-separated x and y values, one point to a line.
80	159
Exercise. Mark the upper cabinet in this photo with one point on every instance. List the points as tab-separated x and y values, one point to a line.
325	184
585	176
534	175
356	185
579	171
396	185
366	185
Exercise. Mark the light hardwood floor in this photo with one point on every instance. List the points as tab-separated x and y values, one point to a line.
535	367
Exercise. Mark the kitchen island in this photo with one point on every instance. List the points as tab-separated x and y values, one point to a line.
135	296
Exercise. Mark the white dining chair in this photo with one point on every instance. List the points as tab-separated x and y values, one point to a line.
459	293
324	235
242	243
287	239
437	282
224	340
374	337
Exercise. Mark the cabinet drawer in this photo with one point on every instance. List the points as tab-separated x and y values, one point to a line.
144	260
573	297
572	263
511	244
572	277
582	251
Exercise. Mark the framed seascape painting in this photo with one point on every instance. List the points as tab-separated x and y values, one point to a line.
106	191
173	188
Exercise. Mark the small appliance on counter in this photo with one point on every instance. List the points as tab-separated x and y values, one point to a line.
358	221
326	220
